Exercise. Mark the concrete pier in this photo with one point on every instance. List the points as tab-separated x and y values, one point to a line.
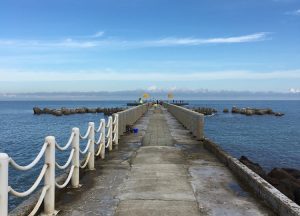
162	170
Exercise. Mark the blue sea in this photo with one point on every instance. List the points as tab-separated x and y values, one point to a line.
271	141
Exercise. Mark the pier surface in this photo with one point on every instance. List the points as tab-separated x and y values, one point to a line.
162	170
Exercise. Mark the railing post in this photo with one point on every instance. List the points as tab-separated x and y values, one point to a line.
4	159
75	159
116	127
110	133
49	200
102	131
91	138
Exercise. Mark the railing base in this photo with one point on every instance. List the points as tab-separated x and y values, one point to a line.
53	214
76	187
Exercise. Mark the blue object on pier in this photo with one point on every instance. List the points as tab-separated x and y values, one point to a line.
135	130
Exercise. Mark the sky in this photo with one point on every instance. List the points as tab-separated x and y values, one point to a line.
115	45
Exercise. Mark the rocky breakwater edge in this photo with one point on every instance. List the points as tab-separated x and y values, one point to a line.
253	111
81	110
208	111
286	180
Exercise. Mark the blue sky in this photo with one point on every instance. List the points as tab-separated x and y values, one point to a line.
114	45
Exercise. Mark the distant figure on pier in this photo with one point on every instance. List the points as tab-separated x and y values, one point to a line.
140	101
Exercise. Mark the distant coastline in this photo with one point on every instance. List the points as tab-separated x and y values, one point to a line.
159	94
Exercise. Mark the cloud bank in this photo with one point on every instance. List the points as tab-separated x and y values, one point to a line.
103	75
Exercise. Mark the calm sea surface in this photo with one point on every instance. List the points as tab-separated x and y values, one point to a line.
269	140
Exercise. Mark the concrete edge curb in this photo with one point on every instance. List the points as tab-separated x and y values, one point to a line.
280	203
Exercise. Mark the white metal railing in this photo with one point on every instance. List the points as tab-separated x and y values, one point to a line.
106	140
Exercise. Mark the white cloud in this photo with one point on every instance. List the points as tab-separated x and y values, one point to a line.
156	89
198	41
296	12
17	75
98	34
174	88
294	90
67	43
73	44
165	42
152	88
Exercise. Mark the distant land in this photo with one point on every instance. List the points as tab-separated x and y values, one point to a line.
154	94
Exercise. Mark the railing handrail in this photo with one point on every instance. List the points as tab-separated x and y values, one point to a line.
33	163
86	133
63	148
33	187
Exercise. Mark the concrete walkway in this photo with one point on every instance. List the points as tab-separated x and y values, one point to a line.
158	183
161	171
